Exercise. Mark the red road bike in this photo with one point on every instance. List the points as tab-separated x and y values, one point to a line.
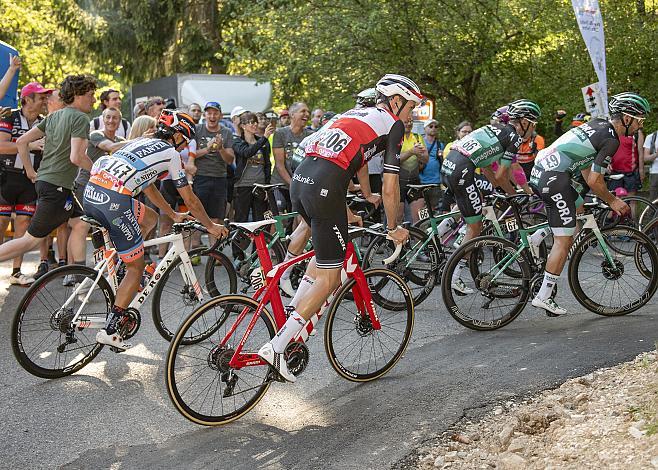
220	377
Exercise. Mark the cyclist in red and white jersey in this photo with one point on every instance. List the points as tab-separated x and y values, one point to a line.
318	192
109	198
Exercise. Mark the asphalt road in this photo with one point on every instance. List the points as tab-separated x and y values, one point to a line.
116	414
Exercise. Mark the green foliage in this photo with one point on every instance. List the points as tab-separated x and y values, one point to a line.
470	56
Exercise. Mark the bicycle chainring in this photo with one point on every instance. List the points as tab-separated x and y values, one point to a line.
129	323
296	356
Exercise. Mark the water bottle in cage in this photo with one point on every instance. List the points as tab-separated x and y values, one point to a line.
460	237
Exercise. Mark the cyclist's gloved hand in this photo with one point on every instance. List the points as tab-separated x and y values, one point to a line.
619	206
217	230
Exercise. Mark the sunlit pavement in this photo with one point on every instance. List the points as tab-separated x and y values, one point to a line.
116	414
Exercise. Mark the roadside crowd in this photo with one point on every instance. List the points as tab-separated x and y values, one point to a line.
232	152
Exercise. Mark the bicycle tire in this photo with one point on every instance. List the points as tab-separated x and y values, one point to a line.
208	373
33	300
359	325
649	214
601	286
517	289
422	274
180	297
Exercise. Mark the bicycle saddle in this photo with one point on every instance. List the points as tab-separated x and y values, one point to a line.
267	186
251	227
91	221
423	186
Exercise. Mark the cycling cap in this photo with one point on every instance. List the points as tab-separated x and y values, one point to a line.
501	115
629	103
392	84
367	98
177	121
524	109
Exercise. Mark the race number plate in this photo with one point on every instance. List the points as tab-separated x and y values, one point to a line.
511	225
424	213
98	255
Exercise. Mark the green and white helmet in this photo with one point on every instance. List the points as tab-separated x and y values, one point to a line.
629	103
524	109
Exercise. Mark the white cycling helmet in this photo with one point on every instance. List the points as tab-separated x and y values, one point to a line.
392	84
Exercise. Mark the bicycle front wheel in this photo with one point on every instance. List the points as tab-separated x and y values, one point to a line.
497	283
201	384
43	339
617	284
355	349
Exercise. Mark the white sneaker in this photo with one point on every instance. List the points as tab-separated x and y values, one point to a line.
286	286
276	360
549	305
69	280
20	279
111	340
460	287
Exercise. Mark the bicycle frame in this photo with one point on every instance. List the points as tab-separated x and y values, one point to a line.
268	293
589	222
108	262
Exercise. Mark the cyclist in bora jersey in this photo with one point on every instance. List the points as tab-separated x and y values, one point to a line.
492	143
587	149
318	190
109	198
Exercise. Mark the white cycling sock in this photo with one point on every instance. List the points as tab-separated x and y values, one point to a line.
286	273
547	286
457	274
305	284
288	331
539	235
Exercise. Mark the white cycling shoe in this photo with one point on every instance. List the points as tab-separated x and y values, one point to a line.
277	361
460	287
113	340
550	306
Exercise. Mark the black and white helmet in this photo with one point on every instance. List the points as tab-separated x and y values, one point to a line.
392	84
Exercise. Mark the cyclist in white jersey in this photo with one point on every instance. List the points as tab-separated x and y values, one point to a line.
110	199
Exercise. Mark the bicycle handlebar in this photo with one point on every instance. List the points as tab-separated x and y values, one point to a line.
396	253
189	225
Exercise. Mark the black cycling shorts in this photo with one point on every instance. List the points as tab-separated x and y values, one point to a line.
54	207
317	192
17	194
460	177
561	198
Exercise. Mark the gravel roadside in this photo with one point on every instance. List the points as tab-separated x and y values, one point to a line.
607	419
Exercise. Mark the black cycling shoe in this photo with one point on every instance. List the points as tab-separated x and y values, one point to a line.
41	270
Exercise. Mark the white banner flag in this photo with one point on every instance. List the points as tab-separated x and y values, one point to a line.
590	22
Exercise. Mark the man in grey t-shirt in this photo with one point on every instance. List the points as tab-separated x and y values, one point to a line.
214	153
286	139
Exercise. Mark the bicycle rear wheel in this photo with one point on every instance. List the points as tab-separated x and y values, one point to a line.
498	278
618	287
355	350
42	338
201	384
